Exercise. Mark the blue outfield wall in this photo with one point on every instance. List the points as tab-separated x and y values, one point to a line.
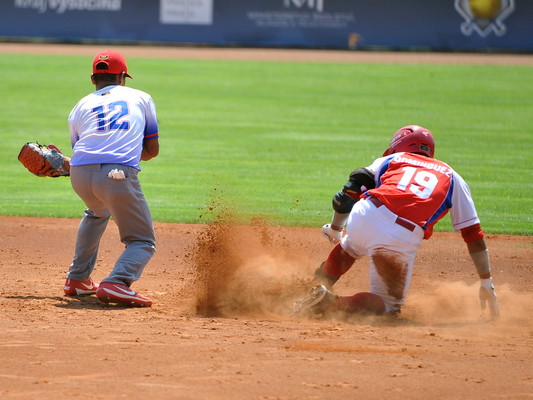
464	25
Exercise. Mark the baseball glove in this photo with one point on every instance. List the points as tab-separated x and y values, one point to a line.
43	161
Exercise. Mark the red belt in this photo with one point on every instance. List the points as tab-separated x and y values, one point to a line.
399	220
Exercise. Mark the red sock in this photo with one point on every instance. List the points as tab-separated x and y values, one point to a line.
362	303
338	262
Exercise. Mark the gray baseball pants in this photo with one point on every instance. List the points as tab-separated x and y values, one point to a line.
123	200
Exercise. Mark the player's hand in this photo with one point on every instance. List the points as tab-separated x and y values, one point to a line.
333	235
487	294
67	159
53	146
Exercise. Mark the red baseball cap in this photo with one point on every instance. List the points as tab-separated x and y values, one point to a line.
110	62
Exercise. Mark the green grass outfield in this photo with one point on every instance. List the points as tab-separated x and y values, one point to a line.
276	140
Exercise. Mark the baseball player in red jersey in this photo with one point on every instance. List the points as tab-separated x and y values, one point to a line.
386	210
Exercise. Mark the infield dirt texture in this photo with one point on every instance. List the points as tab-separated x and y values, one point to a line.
218	328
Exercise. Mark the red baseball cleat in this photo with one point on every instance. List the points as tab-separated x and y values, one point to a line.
111	292
78	288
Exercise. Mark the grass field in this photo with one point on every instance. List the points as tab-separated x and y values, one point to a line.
278	139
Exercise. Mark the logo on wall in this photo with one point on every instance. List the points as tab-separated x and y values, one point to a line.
313	4
62	6
484	16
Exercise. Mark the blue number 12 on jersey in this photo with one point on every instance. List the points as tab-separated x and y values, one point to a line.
109	115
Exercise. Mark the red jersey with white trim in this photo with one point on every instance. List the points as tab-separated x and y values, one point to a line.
422	190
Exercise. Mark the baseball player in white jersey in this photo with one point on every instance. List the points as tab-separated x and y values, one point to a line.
387	209
111	131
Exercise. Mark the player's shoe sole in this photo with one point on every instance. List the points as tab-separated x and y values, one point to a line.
118	293
314	303
79	288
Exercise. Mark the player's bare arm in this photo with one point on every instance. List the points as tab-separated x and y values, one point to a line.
150	149
479	254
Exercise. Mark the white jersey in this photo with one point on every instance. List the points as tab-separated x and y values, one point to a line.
109	126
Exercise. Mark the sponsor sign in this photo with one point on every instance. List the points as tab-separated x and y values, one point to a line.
186	12
300	14
62	6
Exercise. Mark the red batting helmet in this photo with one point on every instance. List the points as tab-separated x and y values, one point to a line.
412	139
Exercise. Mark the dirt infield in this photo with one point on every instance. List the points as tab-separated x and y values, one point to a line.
55	347
219	327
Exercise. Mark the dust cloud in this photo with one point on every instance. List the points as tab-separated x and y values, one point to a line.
258	270
248	270
455	303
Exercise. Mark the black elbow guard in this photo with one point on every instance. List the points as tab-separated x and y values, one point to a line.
361	180
342	202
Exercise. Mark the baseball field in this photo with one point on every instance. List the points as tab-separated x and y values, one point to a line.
254	143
